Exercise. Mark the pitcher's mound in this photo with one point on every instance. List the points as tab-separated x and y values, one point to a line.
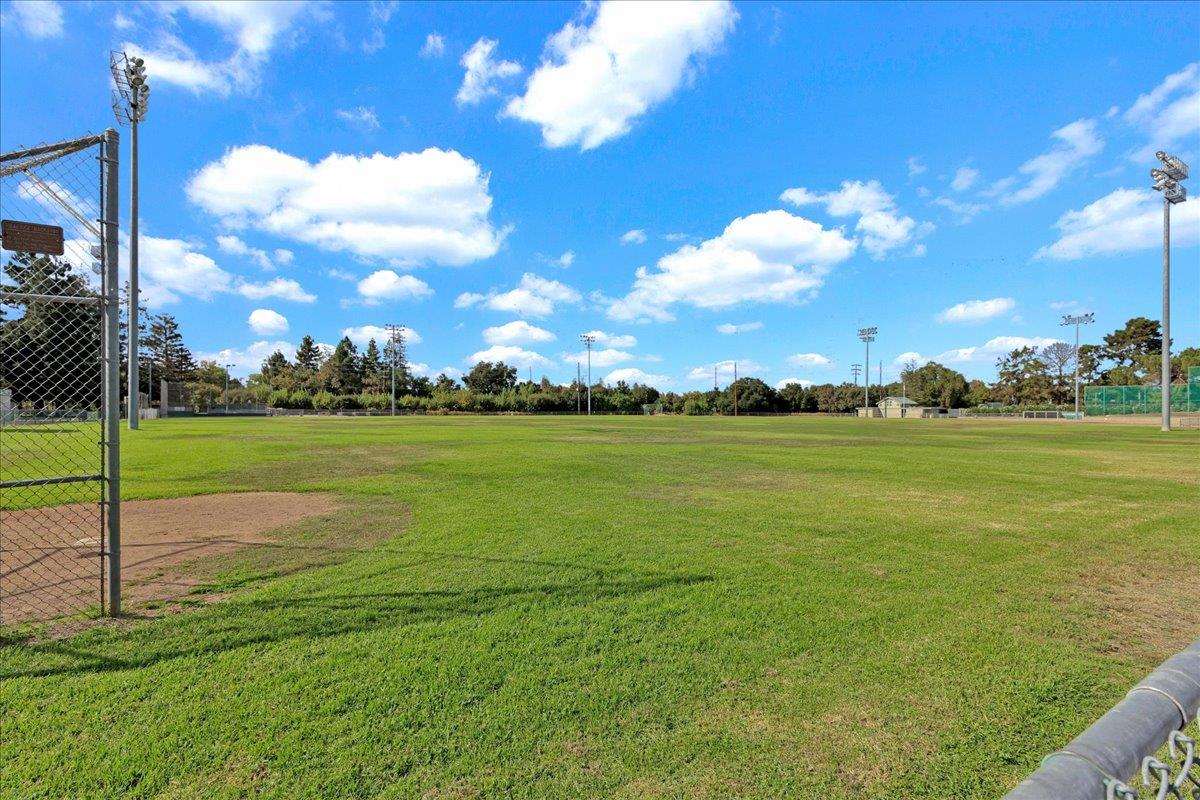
51	556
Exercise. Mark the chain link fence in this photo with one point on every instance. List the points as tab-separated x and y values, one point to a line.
59	380
1144	747
1105	400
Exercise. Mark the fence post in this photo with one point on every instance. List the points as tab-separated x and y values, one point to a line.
112	366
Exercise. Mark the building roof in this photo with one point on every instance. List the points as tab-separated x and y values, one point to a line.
898	401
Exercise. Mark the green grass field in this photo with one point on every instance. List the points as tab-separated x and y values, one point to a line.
630	607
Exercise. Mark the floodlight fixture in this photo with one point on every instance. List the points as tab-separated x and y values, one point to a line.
1174	166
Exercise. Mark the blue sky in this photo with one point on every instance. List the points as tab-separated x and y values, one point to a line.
696	183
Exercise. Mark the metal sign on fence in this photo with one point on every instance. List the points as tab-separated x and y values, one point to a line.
59	381
31	237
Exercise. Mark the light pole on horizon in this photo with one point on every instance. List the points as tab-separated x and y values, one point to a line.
1077	320
1166	180
130	103
227	368
589	340
396	351
868	336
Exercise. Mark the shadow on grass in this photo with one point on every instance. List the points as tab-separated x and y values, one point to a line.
236	624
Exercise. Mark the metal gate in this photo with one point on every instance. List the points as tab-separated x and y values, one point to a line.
59	381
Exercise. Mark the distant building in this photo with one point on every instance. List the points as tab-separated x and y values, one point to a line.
900	407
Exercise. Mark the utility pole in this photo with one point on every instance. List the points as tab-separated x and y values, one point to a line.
130	100
734	387
868	336
856	369
1081	319
578	381
1166	180
396	345
588	340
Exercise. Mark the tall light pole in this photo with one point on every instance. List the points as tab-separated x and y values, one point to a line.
868	336
1077	320
227	368
396	351
1166	180
589	340
130	103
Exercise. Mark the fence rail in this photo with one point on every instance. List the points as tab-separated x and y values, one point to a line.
1103	761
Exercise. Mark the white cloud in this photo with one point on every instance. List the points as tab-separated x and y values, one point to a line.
730	328
412	207
1062	305
235	246
254	28
964	179
359	117
284	256
380	12
248	360
724	370
1076	143
362	334
612	339
880	224
966	211
1120	222
632	375
39	19
282	288
977	310
915	167
168	268
512	355
1170	113
340	275
122	22
434	47
516	332
769	257
266	322
606	357
779	385
597	77
675	237
990	350
808	360
171	268
635	236
564	261
912	355
483	73
534	296
386	284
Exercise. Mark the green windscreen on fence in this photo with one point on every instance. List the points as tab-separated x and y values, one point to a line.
1102	400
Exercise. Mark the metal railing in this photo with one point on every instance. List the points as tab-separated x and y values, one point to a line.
1120	750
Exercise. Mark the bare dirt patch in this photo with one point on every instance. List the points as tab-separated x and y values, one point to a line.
158	537
1144	617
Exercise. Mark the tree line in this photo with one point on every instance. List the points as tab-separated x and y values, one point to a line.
52	348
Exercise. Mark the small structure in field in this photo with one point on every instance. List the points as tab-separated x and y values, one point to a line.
897	407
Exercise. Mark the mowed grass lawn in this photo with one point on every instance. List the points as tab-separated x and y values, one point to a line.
637	607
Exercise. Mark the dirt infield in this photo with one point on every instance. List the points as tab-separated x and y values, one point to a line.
44	579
